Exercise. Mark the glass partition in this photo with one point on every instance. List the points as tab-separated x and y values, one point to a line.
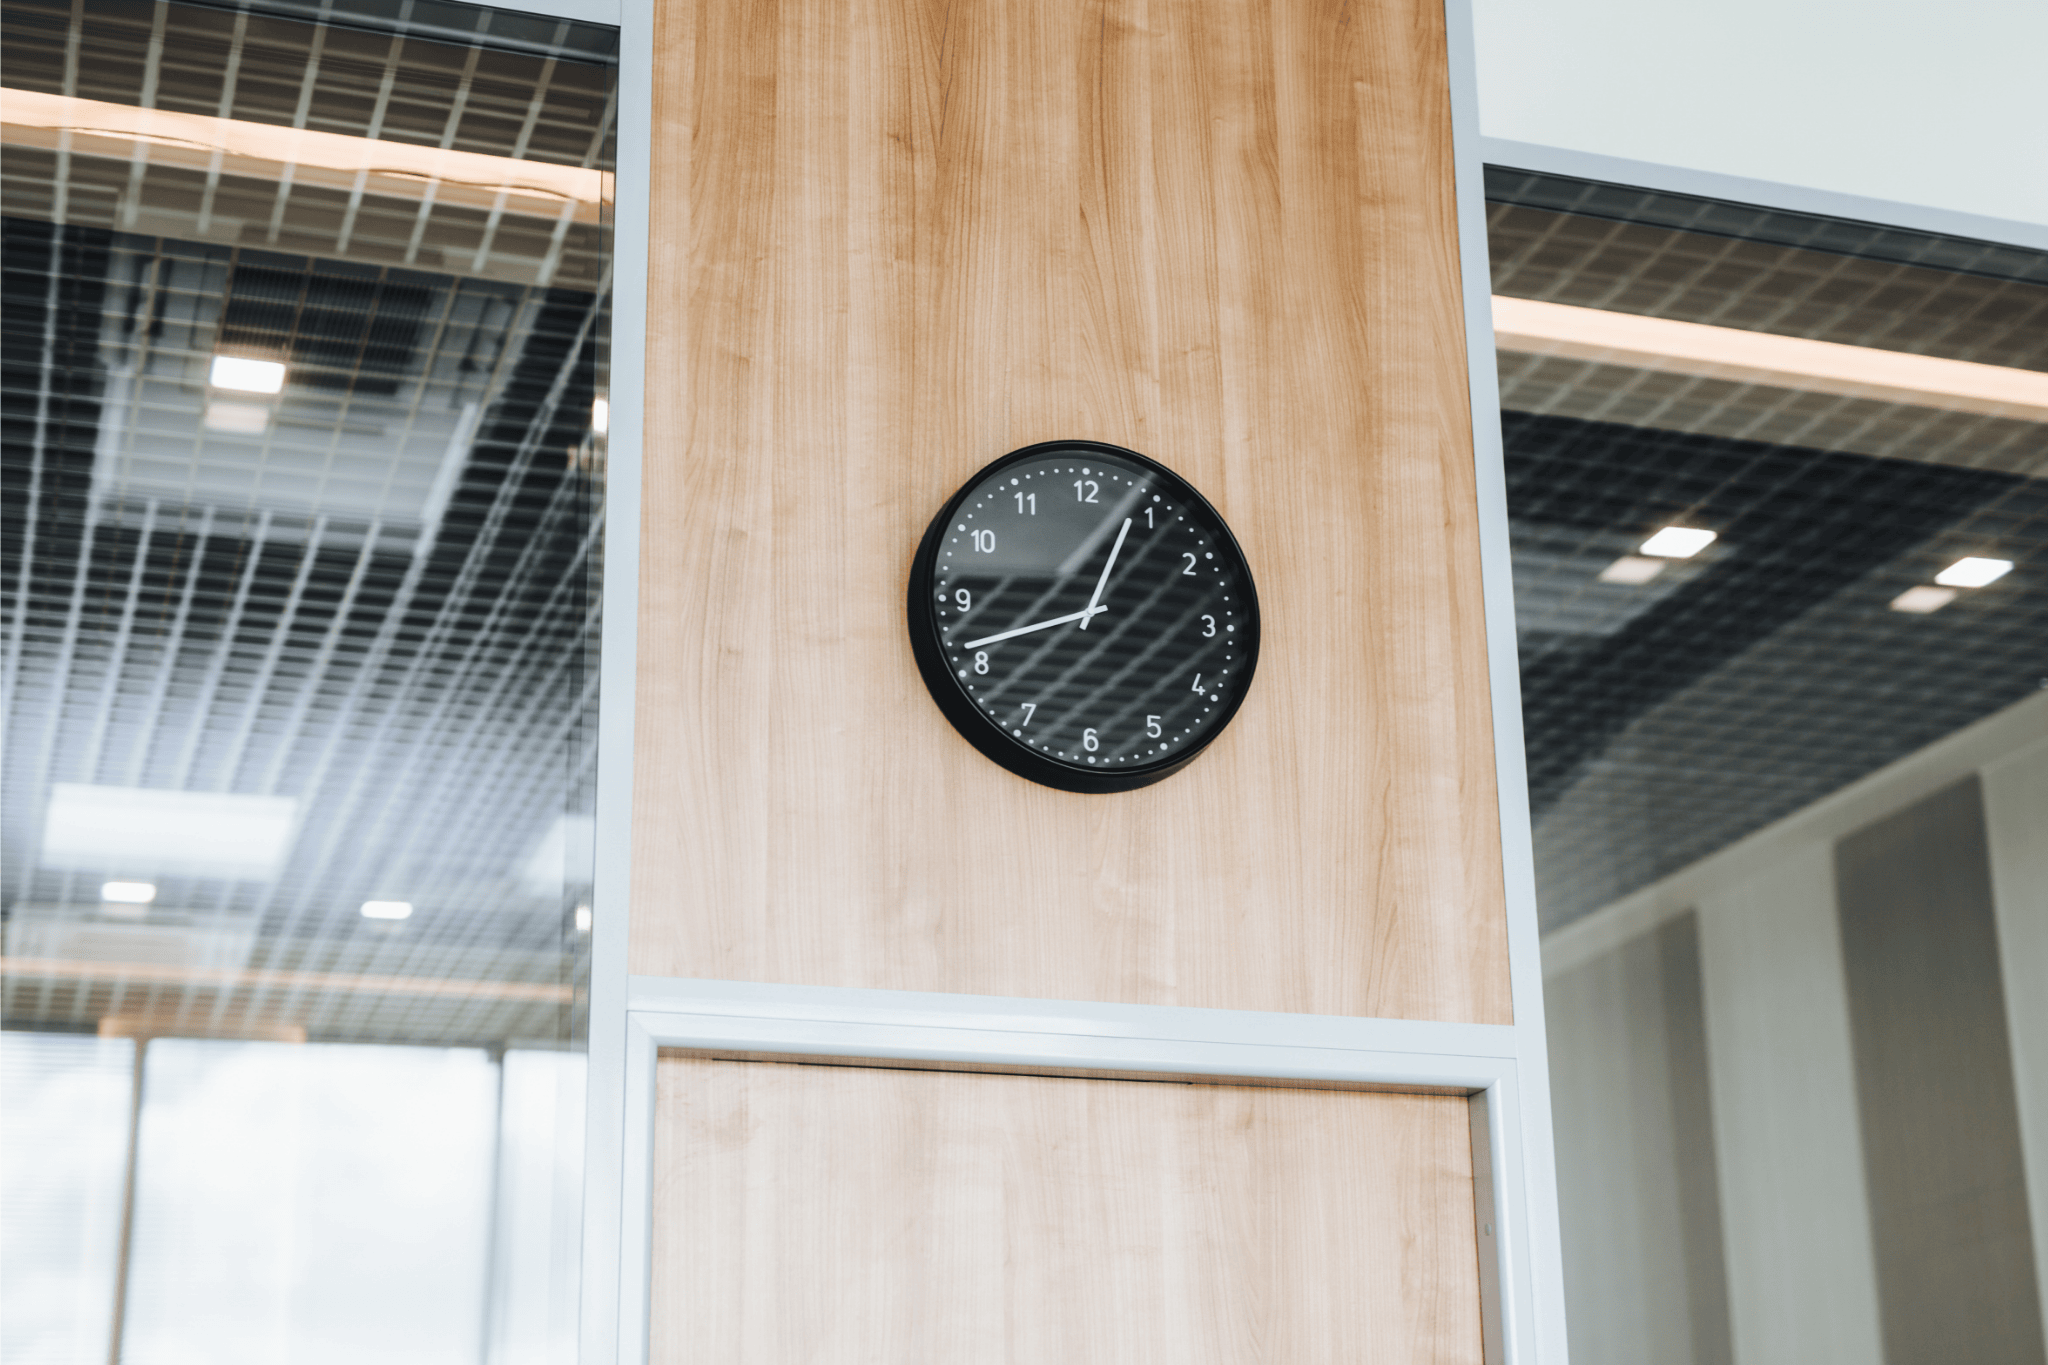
305	321
1778	499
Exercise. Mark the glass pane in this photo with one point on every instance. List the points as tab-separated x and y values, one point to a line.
63	1159
1844	412
1778	499
316	1203
299	554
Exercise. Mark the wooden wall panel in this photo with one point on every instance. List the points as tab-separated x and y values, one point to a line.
825	1214
893	240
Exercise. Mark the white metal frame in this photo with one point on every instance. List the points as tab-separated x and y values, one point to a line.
1740	189
1142	1041
1501	1067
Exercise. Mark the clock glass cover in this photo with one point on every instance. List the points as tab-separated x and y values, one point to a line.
1083	617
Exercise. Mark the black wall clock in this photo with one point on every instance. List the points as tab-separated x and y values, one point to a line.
1083	617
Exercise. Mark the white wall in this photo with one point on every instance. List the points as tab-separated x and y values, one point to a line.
1795	1221
2016	827
1802	1282
1942	105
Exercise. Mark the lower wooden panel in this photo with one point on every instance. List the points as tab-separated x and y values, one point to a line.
831	1213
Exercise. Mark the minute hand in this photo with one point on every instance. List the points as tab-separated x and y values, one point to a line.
1081	616
1107	565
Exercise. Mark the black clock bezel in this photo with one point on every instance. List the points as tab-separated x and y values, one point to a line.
973	723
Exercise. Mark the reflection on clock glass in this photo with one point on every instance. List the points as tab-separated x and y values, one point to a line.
1092	613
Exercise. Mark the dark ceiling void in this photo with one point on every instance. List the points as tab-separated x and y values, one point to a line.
340	325
1775	672
1794	526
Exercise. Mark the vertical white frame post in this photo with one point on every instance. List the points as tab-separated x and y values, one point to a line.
1502	1067
1529	1143
606	1093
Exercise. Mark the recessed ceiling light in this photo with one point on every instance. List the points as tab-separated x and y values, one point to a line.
1973	572
1678	542
241	419
128	893
600	415
244	375
387	909
90	828
1632	569
1923	599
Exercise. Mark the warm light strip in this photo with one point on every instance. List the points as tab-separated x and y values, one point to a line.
1536	328
97	127
255	978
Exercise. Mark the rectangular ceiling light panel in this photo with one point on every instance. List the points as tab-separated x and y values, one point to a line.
142	831
245	375
1678	542
1923	600
1973	571
1533	327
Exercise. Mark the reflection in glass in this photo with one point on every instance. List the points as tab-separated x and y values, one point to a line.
318	1203
305	311
64	1103
1850	411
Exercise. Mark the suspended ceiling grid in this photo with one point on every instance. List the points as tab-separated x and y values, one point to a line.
300	610
1666	720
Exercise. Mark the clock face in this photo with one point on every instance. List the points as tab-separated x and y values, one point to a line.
1084	617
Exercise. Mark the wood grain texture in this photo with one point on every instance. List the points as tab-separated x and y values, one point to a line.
835	1214
893	240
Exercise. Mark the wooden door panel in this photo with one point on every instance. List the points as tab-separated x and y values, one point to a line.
826	1214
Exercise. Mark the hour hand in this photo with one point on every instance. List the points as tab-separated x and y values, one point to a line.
1107	565
1081	616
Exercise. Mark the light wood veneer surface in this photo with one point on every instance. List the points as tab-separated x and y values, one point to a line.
894	240
829	1214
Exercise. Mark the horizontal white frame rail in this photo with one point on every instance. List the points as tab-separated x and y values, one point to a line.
1770	194
1139	1041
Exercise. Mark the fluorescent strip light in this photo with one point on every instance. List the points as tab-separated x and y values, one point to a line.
1678	542
128	893
244	375
263	150
1972	572
1923	599
387	909
144	829
1632	569
1532	327
600	415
